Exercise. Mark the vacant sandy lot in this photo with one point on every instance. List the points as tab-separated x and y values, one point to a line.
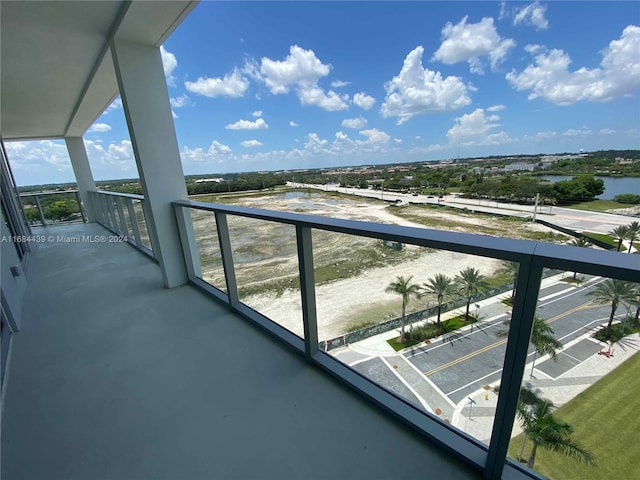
265	255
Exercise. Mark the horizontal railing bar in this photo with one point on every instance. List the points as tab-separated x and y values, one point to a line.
598	262
40	194
118	194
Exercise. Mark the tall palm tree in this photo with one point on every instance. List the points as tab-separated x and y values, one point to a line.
403	287
541	338
633	232
510	268
620	234
441	286
471	281
548	432
580	242
614	291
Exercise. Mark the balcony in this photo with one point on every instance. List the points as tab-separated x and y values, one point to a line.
114	376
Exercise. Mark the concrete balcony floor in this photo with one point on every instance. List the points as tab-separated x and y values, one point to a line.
115	377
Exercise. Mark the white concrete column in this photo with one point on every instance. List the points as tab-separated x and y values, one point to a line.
82	171
145	99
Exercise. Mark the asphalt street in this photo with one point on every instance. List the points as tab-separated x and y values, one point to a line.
462	363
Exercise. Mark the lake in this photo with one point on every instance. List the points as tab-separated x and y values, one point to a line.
612	185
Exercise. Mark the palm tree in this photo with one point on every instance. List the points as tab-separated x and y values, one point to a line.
470	281
614	291
633	232
441	286
541	338
580	242
510	268
620	234
406	289
548	432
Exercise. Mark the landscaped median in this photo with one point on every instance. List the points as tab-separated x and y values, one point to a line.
424	333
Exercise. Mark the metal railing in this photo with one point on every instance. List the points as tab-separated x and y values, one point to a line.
41	212
124	214
532	257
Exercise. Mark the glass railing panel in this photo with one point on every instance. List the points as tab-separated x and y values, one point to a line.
53	207
142	224
580	382
448	366
266	266
208	245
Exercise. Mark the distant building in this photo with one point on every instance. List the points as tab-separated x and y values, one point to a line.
527	167
206	180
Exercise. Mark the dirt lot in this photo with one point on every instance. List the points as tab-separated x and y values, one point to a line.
351	272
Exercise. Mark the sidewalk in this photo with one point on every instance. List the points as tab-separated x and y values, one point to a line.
478	420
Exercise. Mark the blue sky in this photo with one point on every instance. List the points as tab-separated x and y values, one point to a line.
270	86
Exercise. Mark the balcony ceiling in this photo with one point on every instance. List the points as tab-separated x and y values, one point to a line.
56	72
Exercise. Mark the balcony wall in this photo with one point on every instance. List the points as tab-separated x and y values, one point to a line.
114	377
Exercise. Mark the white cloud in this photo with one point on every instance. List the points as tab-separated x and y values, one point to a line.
356	123
375	136
116	104
232	85
397	140
546	134
363	100
293	124
257	113
181	101
468	42
259	124
169	64
314	144
496	108
532	14
216	153
607	131
99	127
503	11
582	132
174	114
35	154
550	78
251	143
217	148
301	67
474	129
342	144
330	101
417	91
339	84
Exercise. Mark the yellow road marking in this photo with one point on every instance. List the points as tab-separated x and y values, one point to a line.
444	366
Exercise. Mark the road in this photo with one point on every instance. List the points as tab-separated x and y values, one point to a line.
443	374
578	220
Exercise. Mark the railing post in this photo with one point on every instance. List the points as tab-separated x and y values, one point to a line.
307	290
515	358
123	221
227	258
134	222
82	213
44	224
188	241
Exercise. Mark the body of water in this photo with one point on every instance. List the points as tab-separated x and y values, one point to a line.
612	185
